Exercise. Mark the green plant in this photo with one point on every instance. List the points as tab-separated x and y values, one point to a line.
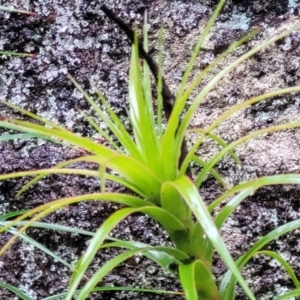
149	165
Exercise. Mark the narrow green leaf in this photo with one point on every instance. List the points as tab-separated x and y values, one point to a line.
231	206
49	171
132	169
104	134
283	263
163	256
10	215
224	214
49	226
289	295
16	291
225	115
171	224
241	140
114	124
118	129
10	137
190	156
146	82
190	194
88	158
47	208
198	282
171	132
196	146
105	269
255	184
194	106
199	45
93	247
9	53
108	288
240	106
15	10
223	144
213	172
33	116
36	244
215	62
172	202
187	279
227	287
84	143
141	115
198	245
175	228
159	88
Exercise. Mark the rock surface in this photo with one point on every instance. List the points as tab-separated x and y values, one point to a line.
75	37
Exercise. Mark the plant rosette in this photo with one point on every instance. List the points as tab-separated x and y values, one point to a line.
149	162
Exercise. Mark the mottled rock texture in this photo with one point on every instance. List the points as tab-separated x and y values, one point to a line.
75	37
